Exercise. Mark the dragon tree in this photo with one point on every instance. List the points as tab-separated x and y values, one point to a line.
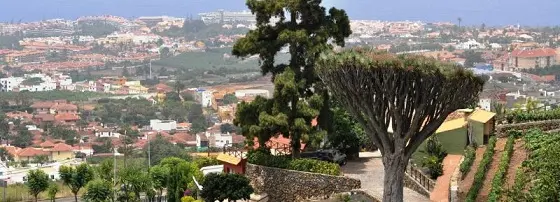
400	100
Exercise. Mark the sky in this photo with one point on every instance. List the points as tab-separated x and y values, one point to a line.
472	12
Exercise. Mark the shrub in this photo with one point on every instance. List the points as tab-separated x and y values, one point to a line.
434	160
434	166
498	181
264	158
470	155
482	169
206	161
189	199
314	166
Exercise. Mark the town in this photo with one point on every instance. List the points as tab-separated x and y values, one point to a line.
162	108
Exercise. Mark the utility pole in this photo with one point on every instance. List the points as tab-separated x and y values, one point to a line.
149	155
114	174
150	68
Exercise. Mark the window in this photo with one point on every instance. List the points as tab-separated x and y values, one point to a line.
58	153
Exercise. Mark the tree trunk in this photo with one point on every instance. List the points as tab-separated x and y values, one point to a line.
394	165
76	197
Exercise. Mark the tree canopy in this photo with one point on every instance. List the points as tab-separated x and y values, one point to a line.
399	100
306	28
221	187
37	182
76	177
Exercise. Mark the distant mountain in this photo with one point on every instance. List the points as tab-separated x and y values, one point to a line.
473	12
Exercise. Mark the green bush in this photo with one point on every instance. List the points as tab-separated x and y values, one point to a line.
265	158
434	161
206	161
434	166
314	166
498	181
470	155
482	169
522	116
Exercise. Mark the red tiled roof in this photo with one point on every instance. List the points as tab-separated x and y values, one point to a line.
65	106
237	138
185	137
30	151
47	144
37	105
541	52
276	142
61	147
45	117
12	150
67	117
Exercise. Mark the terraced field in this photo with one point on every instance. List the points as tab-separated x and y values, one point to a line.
498	172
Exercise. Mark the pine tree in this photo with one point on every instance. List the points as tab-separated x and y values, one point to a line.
306	29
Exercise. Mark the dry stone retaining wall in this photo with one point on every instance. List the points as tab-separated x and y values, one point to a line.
290	185
501	130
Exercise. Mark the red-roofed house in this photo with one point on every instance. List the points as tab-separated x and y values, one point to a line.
29	153
66	118
61	152
533	58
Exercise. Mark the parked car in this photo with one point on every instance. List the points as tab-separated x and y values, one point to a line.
330	155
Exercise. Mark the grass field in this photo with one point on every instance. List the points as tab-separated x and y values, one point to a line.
19	192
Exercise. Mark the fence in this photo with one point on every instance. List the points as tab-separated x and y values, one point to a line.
424	180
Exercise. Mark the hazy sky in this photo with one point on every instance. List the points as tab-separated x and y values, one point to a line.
474	12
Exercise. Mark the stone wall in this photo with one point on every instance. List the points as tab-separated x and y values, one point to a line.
411	183
290	185
501	130
454	183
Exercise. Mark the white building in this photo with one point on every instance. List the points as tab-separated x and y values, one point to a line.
252	93
41	82
485	103
8	84
470	44
107	132
163	125
204	97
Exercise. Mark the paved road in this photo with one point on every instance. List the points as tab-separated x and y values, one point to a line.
369	170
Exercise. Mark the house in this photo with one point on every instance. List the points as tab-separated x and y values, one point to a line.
61	152
163	125
202	141
69	118
532	58
107	132
464	127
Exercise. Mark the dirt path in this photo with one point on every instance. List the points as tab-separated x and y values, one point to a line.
466	183
498	150
519	155
441	190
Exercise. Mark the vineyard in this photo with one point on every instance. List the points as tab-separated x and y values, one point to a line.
521	167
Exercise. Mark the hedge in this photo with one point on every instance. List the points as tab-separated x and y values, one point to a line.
264	158
470	155
498	181
522	116
481	171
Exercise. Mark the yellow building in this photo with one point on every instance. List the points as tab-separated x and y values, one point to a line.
53	152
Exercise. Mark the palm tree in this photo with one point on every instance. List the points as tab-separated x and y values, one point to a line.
459	19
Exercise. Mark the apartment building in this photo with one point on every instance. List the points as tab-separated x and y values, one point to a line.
532	58
24	57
